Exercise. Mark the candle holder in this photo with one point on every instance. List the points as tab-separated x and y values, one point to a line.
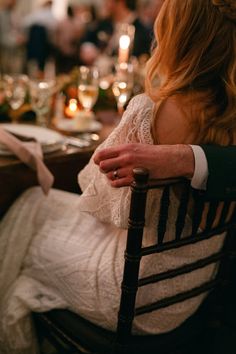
126	37
71	109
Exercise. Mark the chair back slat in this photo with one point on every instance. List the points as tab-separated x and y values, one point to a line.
171	300
201	235
182	212
229	247
211	215
224	212
132	255
181	270
197	213
231	215
163	217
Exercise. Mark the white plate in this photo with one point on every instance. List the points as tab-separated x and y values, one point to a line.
49	139
69	125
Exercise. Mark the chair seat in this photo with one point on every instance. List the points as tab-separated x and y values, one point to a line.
80	332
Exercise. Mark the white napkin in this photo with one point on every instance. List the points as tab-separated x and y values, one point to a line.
31	155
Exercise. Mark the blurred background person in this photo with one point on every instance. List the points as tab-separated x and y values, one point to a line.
147	12
42	15
69	32
12	39
103	37
39	27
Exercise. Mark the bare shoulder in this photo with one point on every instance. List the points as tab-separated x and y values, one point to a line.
173	124
141	102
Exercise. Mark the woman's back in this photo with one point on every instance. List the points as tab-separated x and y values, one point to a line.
193	65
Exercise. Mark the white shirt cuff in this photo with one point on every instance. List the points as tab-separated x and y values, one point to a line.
199	180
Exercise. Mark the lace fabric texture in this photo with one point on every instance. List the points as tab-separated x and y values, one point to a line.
66	251
113	205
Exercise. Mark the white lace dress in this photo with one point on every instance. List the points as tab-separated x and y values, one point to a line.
66	251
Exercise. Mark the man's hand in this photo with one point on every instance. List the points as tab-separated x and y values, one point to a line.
162	161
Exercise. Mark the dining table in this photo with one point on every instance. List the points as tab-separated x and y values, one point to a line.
15	176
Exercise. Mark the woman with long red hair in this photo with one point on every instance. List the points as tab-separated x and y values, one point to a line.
67	250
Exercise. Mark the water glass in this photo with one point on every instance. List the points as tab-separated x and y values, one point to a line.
88	87
16	87
41	92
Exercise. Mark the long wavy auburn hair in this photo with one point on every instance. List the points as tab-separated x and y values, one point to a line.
195	60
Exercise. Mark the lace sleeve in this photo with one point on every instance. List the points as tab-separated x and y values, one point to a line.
99	198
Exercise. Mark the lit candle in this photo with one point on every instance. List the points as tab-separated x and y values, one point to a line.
72	108
124	44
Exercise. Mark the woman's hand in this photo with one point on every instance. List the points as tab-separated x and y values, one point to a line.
162	161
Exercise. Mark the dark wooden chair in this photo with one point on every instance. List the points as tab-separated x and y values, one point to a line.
70	333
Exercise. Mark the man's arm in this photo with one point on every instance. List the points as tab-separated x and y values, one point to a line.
221	161
162	161
218	175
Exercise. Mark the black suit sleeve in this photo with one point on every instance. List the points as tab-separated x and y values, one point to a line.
222	171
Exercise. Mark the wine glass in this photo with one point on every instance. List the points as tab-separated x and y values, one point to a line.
123	85
105	65
41	92
88	88
15	91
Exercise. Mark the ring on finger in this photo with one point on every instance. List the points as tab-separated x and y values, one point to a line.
115	174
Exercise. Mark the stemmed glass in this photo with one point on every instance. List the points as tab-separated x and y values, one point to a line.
123	85
88	87
41	92
15	91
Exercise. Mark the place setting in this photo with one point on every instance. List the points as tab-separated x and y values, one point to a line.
49	140
40	95
78	116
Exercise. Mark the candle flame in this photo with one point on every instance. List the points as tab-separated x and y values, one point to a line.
73	105
124	41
